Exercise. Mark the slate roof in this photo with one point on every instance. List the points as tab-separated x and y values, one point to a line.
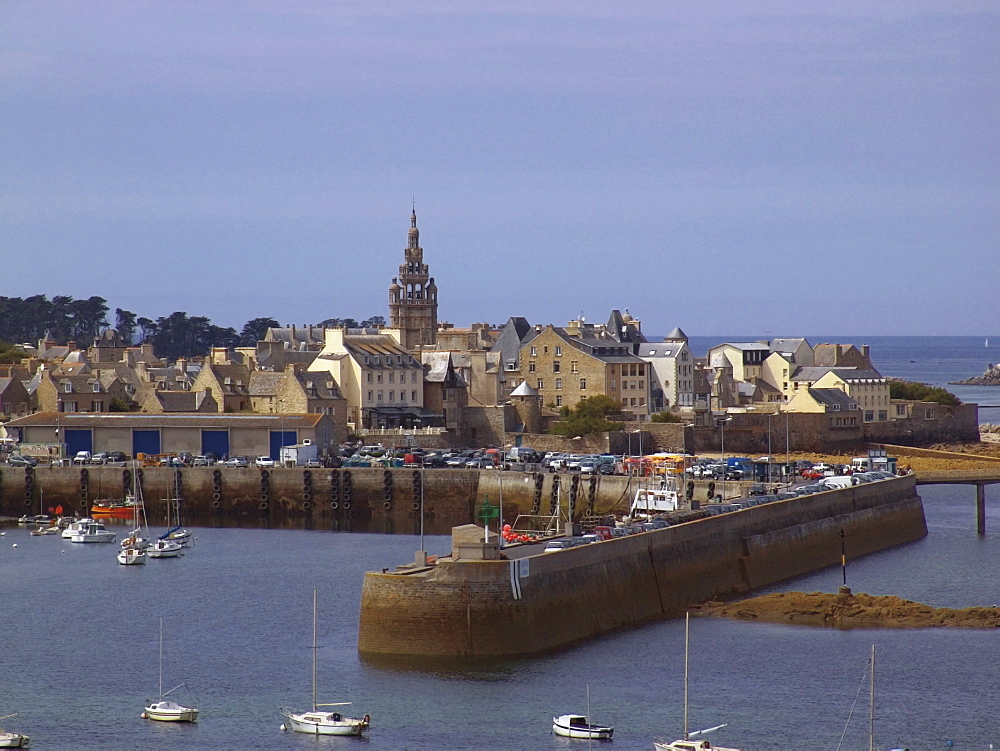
676	335
835	400
849	375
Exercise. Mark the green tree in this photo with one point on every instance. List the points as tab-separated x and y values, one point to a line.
589	416
255	330
125	324
921	392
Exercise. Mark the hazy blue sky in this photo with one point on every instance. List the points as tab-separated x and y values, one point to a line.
722	166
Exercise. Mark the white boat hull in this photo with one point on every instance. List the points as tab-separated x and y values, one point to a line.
168	711
563	727
325	723
132	557
164	549
13	740
690	746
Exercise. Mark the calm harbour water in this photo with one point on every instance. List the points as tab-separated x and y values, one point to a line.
79	648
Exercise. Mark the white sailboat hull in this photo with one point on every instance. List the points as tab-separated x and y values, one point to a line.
325	723
164	549
13	740
132	557
572	726
690	746
168	711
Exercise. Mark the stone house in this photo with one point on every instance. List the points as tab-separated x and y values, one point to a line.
90	390
869	388
297	391
381	381
671	375
842	410
14	398
445	391
565	365
229	385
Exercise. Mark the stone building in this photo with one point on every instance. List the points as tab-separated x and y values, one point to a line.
671	377
413	296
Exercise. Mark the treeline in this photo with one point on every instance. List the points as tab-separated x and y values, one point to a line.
921	392
173	336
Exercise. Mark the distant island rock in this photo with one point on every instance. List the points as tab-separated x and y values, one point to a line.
850	611
990	378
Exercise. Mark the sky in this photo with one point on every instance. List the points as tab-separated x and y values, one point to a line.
737	166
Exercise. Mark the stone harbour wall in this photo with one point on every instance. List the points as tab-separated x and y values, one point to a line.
492	609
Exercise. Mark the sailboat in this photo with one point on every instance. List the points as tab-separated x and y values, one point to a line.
319	722
10	739
133	547
176	534
167	711
686	743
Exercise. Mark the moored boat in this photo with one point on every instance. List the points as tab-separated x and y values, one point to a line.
317	721
165	710
132	556
164	549
93	532
123	509
578	726
12	740
75	526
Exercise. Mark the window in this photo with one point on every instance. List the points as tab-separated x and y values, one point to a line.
541	383
392	377
583	384
573	367
558	351
900	410
399	359
869	415
558	383
883	415
642	384
392	396
67	388
642	370
97	387
632	400
612	383
377	359
533	351
371	395
413	377
545	349
369	376
559	400
642	401
555	366
379	396
378	377
97	406
413	396
531	367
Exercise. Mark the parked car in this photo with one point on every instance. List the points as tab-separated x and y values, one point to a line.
201	461
117	456
238	461
82	457
562	543
264	461
16	460
101	457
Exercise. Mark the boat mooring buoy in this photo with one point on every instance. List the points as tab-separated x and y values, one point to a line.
282	727
143	716
15	545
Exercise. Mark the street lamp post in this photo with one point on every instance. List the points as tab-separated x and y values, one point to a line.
725	468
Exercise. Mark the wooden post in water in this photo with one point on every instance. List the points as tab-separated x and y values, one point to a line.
981	508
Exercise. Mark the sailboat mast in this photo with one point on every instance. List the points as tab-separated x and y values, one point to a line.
687	631
161	656
871	709
314	650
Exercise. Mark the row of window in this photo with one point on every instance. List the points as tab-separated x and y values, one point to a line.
377	359
376	396
559	384
392	377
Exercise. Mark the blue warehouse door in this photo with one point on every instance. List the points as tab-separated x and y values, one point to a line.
281	438
215	442
145	441
78	440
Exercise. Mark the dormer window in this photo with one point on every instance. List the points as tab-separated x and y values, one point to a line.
97	387
67	388
376	359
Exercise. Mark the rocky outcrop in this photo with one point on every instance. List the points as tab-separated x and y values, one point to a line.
850	611
990	378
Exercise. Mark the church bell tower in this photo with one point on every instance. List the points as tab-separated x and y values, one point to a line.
413	295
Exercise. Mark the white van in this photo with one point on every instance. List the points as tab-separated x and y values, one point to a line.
82	457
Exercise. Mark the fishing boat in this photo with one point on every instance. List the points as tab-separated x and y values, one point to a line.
686	743
578	726
165	710
12	740
317	721
655	497
115	509
93	532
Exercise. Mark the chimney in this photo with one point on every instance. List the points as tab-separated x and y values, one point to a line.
864	351
182	365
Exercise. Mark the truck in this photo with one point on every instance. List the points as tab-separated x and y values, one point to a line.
299	454
877	459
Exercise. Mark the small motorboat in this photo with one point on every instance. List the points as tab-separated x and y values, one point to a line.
132	556
124	509
577	726
53	530
75	526
93	532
